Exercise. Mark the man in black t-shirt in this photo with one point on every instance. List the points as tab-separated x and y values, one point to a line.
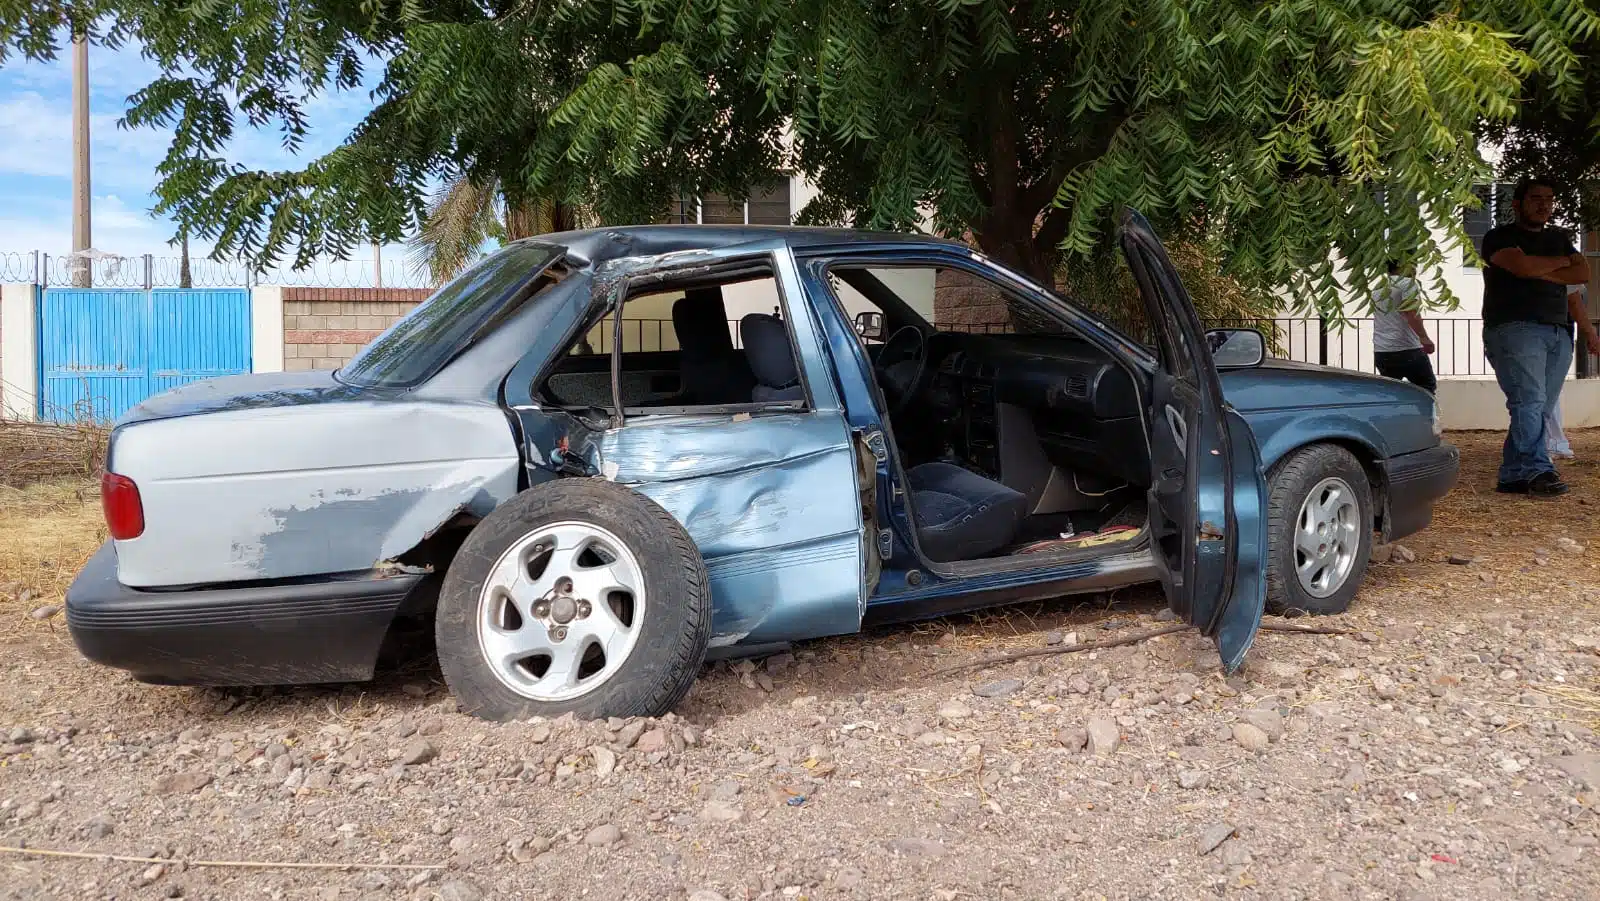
1528	266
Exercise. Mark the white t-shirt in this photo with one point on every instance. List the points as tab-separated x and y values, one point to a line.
1390	330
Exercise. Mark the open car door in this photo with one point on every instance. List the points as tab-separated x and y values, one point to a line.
1207	494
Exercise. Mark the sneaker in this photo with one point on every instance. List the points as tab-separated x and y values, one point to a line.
1547	484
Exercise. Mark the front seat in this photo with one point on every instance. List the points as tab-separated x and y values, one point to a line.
961	515
710	370
771	356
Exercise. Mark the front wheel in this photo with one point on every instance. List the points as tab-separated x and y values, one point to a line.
574	596
1319	531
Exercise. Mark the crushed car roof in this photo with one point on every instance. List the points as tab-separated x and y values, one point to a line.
597	245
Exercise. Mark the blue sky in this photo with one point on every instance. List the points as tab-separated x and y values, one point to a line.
36	155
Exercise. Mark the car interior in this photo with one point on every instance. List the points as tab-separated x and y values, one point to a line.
1009	444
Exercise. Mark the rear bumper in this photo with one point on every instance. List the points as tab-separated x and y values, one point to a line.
1414	482
311	631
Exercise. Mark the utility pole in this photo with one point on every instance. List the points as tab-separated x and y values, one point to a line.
80	162
377	265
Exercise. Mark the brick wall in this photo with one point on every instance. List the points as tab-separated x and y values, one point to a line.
324	327
963	299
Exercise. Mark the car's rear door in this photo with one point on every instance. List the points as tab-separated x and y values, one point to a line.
772	493
1207	493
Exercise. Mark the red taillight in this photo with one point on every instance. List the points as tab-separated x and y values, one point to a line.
119	497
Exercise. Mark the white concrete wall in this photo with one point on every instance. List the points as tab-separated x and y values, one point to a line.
266	328
1479	404
19	352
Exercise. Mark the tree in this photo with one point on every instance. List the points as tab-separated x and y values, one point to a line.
1556	134
465	216
1270	129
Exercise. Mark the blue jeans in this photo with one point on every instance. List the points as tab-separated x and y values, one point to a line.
1530	362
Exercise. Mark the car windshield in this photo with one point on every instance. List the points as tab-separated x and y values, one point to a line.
415	347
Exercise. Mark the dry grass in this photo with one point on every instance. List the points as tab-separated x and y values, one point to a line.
36	451
1518	560
47	531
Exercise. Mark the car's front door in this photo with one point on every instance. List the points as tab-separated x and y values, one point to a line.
1207	494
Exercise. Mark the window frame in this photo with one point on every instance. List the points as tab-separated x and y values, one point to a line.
1494	191
1040	300
752	267
682	203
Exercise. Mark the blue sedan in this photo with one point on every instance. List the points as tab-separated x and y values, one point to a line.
582	512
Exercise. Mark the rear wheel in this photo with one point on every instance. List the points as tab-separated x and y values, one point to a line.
575	596
1319	534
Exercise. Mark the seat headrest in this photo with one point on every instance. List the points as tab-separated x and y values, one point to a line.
767	347
701	321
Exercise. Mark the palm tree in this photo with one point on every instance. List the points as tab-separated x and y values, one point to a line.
467	214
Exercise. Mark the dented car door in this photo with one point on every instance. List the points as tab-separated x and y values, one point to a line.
770	493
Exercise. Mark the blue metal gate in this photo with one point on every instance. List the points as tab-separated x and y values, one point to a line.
103	350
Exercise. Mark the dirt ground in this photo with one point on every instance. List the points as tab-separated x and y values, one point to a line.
1444	749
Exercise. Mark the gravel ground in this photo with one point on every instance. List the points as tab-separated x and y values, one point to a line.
1442	749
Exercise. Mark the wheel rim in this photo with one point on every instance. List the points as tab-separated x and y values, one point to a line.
561	611
1327	536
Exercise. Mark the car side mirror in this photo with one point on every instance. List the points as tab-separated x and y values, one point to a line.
1236	348
869	325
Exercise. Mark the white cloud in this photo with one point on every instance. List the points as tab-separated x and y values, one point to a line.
36	158
38	142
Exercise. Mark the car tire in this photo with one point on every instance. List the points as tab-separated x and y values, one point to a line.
1320	575
598	536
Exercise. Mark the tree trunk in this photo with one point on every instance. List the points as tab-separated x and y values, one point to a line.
527	218
1016	246
184	281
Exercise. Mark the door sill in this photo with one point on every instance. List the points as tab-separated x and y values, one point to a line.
1011	563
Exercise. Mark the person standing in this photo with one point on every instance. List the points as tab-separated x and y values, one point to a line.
1526	338
1579	325
1400	343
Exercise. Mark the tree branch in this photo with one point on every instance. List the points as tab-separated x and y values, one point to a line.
1013	656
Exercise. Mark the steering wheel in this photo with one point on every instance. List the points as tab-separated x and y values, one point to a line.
901	365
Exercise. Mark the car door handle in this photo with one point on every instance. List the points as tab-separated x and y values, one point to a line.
1180	429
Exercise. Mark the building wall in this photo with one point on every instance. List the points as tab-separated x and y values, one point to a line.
19	353
1469	404
324	327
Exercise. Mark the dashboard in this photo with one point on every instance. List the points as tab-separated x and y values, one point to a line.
1084	407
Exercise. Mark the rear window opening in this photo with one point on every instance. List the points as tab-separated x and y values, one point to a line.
714	342
416	347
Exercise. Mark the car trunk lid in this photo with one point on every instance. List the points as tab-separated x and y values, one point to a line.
242	392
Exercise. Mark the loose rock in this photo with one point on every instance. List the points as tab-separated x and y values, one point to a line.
997	689
605	762
460	890
1384	687
652	741
1250	737
1104	736
630	733
418	752
603	835
1213	837
1583	767
917	847
1268	721
721	812
181	783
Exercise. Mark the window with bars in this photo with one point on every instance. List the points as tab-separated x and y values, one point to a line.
765	205
1494	209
